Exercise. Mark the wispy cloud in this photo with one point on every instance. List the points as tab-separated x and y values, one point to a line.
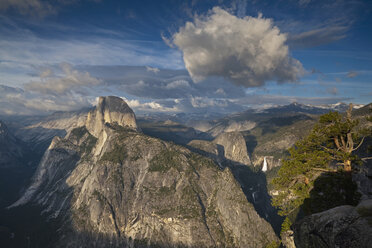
351	74
36	8
16	101
152	69
99	51
317	37
22	50
303	3
70	81
314	23
332	91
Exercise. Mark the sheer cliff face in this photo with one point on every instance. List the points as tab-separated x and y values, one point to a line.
110	110
226	146
113	184
234	146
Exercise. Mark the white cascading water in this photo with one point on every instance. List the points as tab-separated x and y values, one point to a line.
264	167
254	196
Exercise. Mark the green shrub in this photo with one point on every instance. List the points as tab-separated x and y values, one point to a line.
89	142
198	161
117	155
165	160
79	132
273	244
286	226
98	195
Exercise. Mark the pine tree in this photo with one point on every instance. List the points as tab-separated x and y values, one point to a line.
329	147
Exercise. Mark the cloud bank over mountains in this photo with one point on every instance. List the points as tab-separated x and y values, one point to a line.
217	59
64	87
247	51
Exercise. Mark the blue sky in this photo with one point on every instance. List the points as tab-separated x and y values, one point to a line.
183	56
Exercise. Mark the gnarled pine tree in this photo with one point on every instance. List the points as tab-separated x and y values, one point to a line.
329	147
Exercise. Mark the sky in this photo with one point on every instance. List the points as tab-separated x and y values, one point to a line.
183	56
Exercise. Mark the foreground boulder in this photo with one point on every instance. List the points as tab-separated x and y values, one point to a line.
343	227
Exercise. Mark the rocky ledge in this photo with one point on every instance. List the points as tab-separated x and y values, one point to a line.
343	227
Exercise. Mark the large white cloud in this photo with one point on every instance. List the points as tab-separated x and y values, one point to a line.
247	51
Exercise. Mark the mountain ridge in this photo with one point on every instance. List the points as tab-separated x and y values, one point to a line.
120	182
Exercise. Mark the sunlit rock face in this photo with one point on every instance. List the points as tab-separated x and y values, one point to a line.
114	186
226	147
234	146
110	109
271	162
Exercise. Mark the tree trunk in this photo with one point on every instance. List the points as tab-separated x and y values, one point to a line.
306	181
347	165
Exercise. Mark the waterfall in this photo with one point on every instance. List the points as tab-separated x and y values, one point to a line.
254	196
264	167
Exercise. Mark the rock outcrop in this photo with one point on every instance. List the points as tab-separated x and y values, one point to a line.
287	239
229	150
235	148
272	162
113	186
209	149
343	227
110	109
226	147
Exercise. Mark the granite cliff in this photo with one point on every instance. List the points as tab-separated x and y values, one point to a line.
229	150
229	146
110	185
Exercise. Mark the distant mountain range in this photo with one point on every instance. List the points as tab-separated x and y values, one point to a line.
310	109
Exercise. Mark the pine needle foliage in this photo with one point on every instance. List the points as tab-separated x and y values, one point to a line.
328	148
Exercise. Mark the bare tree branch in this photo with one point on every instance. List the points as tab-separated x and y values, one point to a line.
367	158
350	142
361	142
324	170
337	143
